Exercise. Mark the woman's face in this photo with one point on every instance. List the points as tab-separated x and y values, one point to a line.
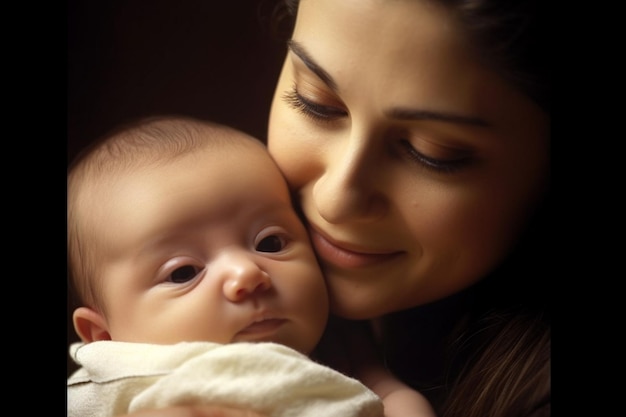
414	164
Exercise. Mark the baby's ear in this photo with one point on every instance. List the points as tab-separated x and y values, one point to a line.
90	325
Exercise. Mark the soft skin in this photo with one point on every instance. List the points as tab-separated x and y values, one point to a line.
235	242
415	164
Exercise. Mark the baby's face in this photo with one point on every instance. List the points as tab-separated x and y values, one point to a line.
208	247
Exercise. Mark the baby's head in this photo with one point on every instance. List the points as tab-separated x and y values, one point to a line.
183	230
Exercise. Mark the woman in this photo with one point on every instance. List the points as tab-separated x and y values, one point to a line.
415	135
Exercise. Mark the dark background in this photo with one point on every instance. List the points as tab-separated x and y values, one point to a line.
216	60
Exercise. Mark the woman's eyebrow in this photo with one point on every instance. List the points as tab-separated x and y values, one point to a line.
418	114
301	53
395	113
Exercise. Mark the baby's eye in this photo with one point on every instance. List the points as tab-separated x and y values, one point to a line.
184	274
272	243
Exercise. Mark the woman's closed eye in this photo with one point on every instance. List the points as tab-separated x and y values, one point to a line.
448	164
438	159
309	108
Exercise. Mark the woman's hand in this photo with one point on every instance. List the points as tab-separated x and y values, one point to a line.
195	411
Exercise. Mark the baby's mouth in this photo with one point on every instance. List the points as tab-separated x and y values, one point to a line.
261	328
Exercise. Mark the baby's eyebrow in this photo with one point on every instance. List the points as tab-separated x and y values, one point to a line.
301	52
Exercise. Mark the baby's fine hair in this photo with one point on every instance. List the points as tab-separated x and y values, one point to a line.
142	143
149	140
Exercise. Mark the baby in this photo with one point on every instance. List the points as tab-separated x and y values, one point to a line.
197	280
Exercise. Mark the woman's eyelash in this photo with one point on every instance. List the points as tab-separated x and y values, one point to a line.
311	109
437	165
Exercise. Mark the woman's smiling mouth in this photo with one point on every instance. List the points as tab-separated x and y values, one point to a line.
336	255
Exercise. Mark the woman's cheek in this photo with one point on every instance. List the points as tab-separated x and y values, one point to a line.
294	150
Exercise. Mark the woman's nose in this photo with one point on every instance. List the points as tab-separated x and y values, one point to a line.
350	190
241	276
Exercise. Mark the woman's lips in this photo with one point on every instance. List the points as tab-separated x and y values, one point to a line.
334	254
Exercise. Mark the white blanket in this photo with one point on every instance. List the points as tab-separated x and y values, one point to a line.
120	377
